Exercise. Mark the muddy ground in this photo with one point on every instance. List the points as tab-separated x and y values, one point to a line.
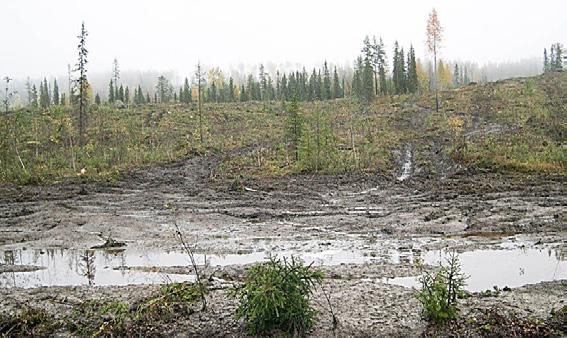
304	213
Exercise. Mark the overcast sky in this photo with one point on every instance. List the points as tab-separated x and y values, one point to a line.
38	37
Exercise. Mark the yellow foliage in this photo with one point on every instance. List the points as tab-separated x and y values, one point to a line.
445	75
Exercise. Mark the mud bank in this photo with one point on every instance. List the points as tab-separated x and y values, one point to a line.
368	231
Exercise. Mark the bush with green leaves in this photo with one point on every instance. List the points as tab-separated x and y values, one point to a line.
440	290
275	296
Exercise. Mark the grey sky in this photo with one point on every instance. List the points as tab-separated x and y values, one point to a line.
39	37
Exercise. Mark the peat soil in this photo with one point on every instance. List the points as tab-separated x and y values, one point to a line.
304	213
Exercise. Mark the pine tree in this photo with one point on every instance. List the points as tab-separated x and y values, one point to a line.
55	93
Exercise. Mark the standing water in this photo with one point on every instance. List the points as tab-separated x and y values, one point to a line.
406	167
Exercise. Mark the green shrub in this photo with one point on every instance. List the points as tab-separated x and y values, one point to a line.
440	290
275	296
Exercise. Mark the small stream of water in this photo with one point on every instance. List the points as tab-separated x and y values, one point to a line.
406	167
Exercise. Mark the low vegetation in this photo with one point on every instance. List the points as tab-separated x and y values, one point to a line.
29	322
513	125
275	296
109	318
440	291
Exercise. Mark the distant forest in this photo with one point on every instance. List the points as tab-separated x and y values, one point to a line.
376	71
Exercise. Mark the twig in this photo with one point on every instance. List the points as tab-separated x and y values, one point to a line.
328	298
193	263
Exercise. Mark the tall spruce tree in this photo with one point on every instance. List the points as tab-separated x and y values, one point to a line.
200	82
81	81
412	80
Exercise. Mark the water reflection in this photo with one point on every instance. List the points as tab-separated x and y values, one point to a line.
87	266
511	266
493	267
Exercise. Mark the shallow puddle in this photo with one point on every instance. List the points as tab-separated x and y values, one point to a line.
98	267
506	265
511	267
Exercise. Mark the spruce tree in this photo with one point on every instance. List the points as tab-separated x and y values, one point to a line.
368	81
558	59
263	83
412	81
545	61
230	96
357	78
456	76
55	93
284	95
81	82
121	93
97	99
336	85
111	97
33	99
187	97
397	72
381	57
243	94
127	95
326	93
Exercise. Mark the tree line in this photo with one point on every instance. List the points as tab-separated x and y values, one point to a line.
554	61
